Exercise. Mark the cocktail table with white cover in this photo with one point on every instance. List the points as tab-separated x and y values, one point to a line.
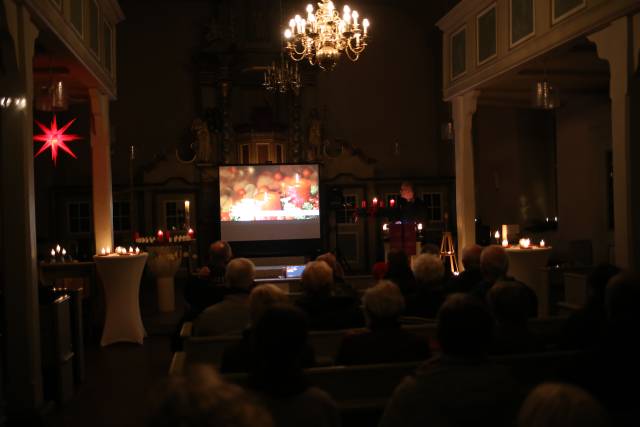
524	265
120	275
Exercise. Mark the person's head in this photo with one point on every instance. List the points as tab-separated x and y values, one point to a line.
471	257
406	191
428	269
261	298
281	338
509	303
220	253
201	398
561	405
597	283
397	262
622	298
494	263
240	274
464	326
383	303
430	248
379	270
317	279
332	262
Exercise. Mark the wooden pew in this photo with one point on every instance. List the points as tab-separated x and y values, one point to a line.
326	343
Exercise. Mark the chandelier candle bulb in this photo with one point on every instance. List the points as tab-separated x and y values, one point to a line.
137	250
53	252
505	243
542	243
58	248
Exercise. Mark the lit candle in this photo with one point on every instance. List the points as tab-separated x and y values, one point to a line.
160	235
542	243
375	201
64	252
365	25
497	236
190	233
505	243
385	227
103	251
419	226
392	203
137	250
187	205
53	253
58	248
130	249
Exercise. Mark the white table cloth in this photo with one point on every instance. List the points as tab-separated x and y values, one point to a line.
524	265
120	277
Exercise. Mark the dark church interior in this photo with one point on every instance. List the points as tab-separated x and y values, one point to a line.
270	213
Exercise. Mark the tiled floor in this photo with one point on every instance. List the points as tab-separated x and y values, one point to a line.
119	376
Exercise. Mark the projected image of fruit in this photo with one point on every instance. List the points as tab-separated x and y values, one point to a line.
269	193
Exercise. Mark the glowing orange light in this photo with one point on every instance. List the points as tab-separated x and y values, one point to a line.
55	138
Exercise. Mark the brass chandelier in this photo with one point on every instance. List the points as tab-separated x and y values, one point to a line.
323	36
282	77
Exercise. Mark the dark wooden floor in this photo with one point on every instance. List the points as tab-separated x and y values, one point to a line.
119	376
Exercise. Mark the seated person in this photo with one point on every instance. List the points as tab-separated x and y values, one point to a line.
207	286
508	303
494	264
325	310
472	274
561	405
461	387
586	326
429	272
340	286
203	398
239	356
231	315
611	371
384	341
399	271
277	376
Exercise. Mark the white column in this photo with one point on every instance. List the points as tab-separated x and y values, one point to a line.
464	106
101	170
19	254
613	46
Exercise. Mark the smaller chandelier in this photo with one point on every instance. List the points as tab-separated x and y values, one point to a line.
282	77
545	96
323	36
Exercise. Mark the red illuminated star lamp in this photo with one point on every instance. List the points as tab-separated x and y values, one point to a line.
55	138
